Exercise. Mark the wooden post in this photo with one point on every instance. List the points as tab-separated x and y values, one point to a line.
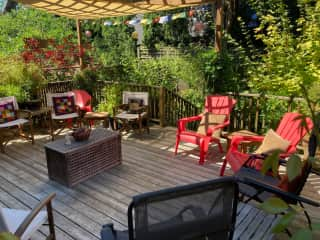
161	107
218	32
78	23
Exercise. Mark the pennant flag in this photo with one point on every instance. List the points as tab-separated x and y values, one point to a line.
134	21
156	20
164	19
107	23
145	21
179	15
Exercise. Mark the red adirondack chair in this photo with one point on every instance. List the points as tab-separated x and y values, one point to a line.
218	105
290	128
83	100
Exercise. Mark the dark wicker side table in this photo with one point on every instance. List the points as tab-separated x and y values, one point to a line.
72	164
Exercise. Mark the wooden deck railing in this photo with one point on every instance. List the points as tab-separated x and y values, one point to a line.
252	111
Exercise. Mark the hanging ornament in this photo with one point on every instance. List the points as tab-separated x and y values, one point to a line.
196	27
88	33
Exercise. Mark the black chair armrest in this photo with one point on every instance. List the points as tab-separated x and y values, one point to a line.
277	191
24	225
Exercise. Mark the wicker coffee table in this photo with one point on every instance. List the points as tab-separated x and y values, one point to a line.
72	164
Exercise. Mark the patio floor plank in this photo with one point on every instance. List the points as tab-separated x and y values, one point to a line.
148	164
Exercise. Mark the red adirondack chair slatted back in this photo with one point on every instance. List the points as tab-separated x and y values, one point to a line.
219	104
83	100
290	129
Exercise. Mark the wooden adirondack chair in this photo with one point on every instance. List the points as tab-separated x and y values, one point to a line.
216	116
63	111
11	123
290	129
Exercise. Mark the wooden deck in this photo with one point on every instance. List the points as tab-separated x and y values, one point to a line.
148	164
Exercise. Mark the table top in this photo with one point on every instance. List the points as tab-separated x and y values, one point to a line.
129	116
96	115
97	135
243	133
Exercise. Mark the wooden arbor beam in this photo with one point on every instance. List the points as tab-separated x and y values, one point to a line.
218	30
78	23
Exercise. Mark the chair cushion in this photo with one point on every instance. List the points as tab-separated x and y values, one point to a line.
138	101
63	105
272	142
135	108
211	120
14	217
7	112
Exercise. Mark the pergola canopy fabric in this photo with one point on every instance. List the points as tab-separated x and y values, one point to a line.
92	9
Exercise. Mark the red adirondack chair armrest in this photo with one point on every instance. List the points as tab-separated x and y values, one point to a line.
183	121
236	140
211	130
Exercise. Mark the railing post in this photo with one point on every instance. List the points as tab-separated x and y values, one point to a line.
161	107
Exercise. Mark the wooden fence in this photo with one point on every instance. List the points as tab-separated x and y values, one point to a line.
145	53
252	111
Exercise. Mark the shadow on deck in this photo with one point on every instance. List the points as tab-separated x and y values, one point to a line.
148	164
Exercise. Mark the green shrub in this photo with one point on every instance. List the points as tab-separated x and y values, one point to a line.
112	97
19	79
86	79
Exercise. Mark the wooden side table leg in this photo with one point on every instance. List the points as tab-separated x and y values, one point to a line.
106	122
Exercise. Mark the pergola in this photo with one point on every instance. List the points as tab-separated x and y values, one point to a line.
95	9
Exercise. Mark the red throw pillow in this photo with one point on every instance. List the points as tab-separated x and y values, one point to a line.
63	105
7	112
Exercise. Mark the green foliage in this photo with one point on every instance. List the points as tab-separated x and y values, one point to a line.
284	222
274	205
294	167
225	71
168	71
194	96
23	23
292	52
8	236
19	79
113	45
271	163
112	97
86	79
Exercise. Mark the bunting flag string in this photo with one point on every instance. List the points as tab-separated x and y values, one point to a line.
160	20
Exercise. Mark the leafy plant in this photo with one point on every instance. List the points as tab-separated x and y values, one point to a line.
22	23
8	236
112	97
19	79
86	79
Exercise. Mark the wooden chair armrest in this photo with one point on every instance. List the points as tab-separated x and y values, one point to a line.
26	222
24	111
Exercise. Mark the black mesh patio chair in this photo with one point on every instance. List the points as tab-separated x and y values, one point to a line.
205	210
253	185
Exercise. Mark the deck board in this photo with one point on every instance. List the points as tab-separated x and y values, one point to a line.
148	164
